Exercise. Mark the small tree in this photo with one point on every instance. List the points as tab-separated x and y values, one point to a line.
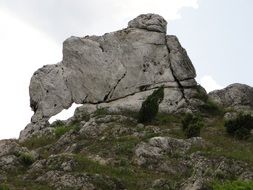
191	125
150	106
240	127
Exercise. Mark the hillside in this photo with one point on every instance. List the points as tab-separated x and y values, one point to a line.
144	122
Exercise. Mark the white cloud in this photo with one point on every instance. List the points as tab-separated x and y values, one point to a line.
23	50
167	8
209	83
65	114
62	18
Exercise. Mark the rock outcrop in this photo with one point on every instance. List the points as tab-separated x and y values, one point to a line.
117	70
238	97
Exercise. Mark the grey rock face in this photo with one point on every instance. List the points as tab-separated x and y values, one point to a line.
10	151
120	68
181	64
236	96
152	22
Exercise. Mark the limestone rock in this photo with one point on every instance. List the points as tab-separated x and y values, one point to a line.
10	151
8	147
60	180
152	22
181	64
158	146
117	70
236	96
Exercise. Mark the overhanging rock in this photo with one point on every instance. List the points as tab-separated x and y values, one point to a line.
116	70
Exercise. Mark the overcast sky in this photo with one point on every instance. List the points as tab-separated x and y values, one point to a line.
217	35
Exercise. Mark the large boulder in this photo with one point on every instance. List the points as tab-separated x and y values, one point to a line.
238	97
117	70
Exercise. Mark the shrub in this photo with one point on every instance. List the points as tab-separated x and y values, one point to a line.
201	93
240	127
191	125
234	185
150	106
211	108
26	158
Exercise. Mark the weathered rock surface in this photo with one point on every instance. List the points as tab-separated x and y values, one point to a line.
236	96
119	69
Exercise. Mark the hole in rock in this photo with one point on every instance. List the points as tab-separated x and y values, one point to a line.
65	114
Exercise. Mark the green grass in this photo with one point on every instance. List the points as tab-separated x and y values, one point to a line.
220	144
122	146
234	185
165	119
38	142
19	183
61	128
131	176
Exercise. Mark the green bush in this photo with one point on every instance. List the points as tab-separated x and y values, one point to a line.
211	108
201	93
191	125
234	185
240	127
150	106
26	158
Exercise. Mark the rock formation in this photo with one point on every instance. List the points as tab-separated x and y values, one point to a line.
117	70
236	96
99	149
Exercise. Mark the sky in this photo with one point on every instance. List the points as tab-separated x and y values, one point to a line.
217	35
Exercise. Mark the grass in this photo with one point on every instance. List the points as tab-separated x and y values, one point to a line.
19	183
223	145
131	176
38	142
122	146
61	128
233	185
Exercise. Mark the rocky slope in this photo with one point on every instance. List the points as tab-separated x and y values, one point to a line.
103	146
113	151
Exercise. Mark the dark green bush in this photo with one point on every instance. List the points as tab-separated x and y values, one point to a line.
211	108
150	106
191	125
201	93
26	158
240	127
